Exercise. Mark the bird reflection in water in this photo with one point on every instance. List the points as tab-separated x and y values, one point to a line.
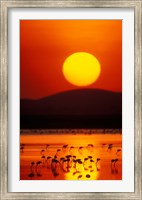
76	163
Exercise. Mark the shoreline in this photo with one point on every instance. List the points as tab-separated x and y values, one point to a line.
70	131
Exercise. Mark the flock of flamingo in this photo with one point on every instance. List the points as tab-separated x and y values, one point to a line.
80	161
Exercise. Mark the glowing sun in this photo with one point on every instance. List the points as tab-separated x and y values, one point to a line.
81	69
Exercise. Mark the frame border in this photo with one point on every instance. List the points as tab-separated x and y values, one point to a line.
4	6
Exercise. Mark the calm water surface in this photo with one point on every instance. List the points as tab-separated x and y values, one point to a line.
71	155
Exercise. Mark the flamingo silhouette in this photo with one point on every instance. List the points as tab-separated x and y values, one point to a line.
90	157
37	168
109	147
64	147
90	161
112	161
80	176
43	160
22	148
58	153
31	168
58	150
49	161
69	161
74	163
65	165
80	150
88	176
71	148
55	167
118	150
42	152
85	163
78	164
90	147
113	165
32	163
61	162
47	146
97	160
103	145
115	161
53	163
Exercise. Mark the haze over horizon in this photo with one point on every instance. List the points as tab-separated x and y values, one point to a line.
78	89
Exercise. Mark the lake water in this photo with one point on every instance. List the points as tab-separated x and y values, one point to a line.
70	155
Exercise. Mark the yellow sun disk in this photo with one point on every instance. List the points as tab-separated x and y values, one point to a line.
81	69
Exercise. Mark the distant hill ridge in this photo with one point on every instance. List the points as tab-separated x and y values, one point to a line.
75	102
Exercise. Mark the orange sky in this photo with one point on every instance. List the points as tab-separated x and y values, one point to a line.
45	44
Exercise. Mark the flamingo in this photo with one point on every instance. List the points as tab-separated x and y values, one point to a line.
61	161
58	153
80	150
42	152
85	163
79	177
71	147
64	165
88	176
91	161
43	160
55	167
103	145
37	168
47	146
97	160
31	168
79	164
112	162
69	159
71	150
90	147
74	161
49	161
113	165
65	146
115	161
118	150
22	147
109	147
90	157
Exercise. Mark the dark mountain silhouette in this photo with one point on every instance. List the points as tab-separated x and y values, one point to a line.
85	108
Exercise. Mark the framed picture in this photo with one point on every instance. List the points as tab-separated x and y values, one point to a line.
71	125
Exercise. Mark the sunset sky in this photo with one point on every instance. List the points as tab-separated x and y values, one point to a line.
45	44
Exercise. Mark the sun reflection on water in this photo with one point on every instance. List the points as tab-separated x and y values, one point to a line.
71	157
